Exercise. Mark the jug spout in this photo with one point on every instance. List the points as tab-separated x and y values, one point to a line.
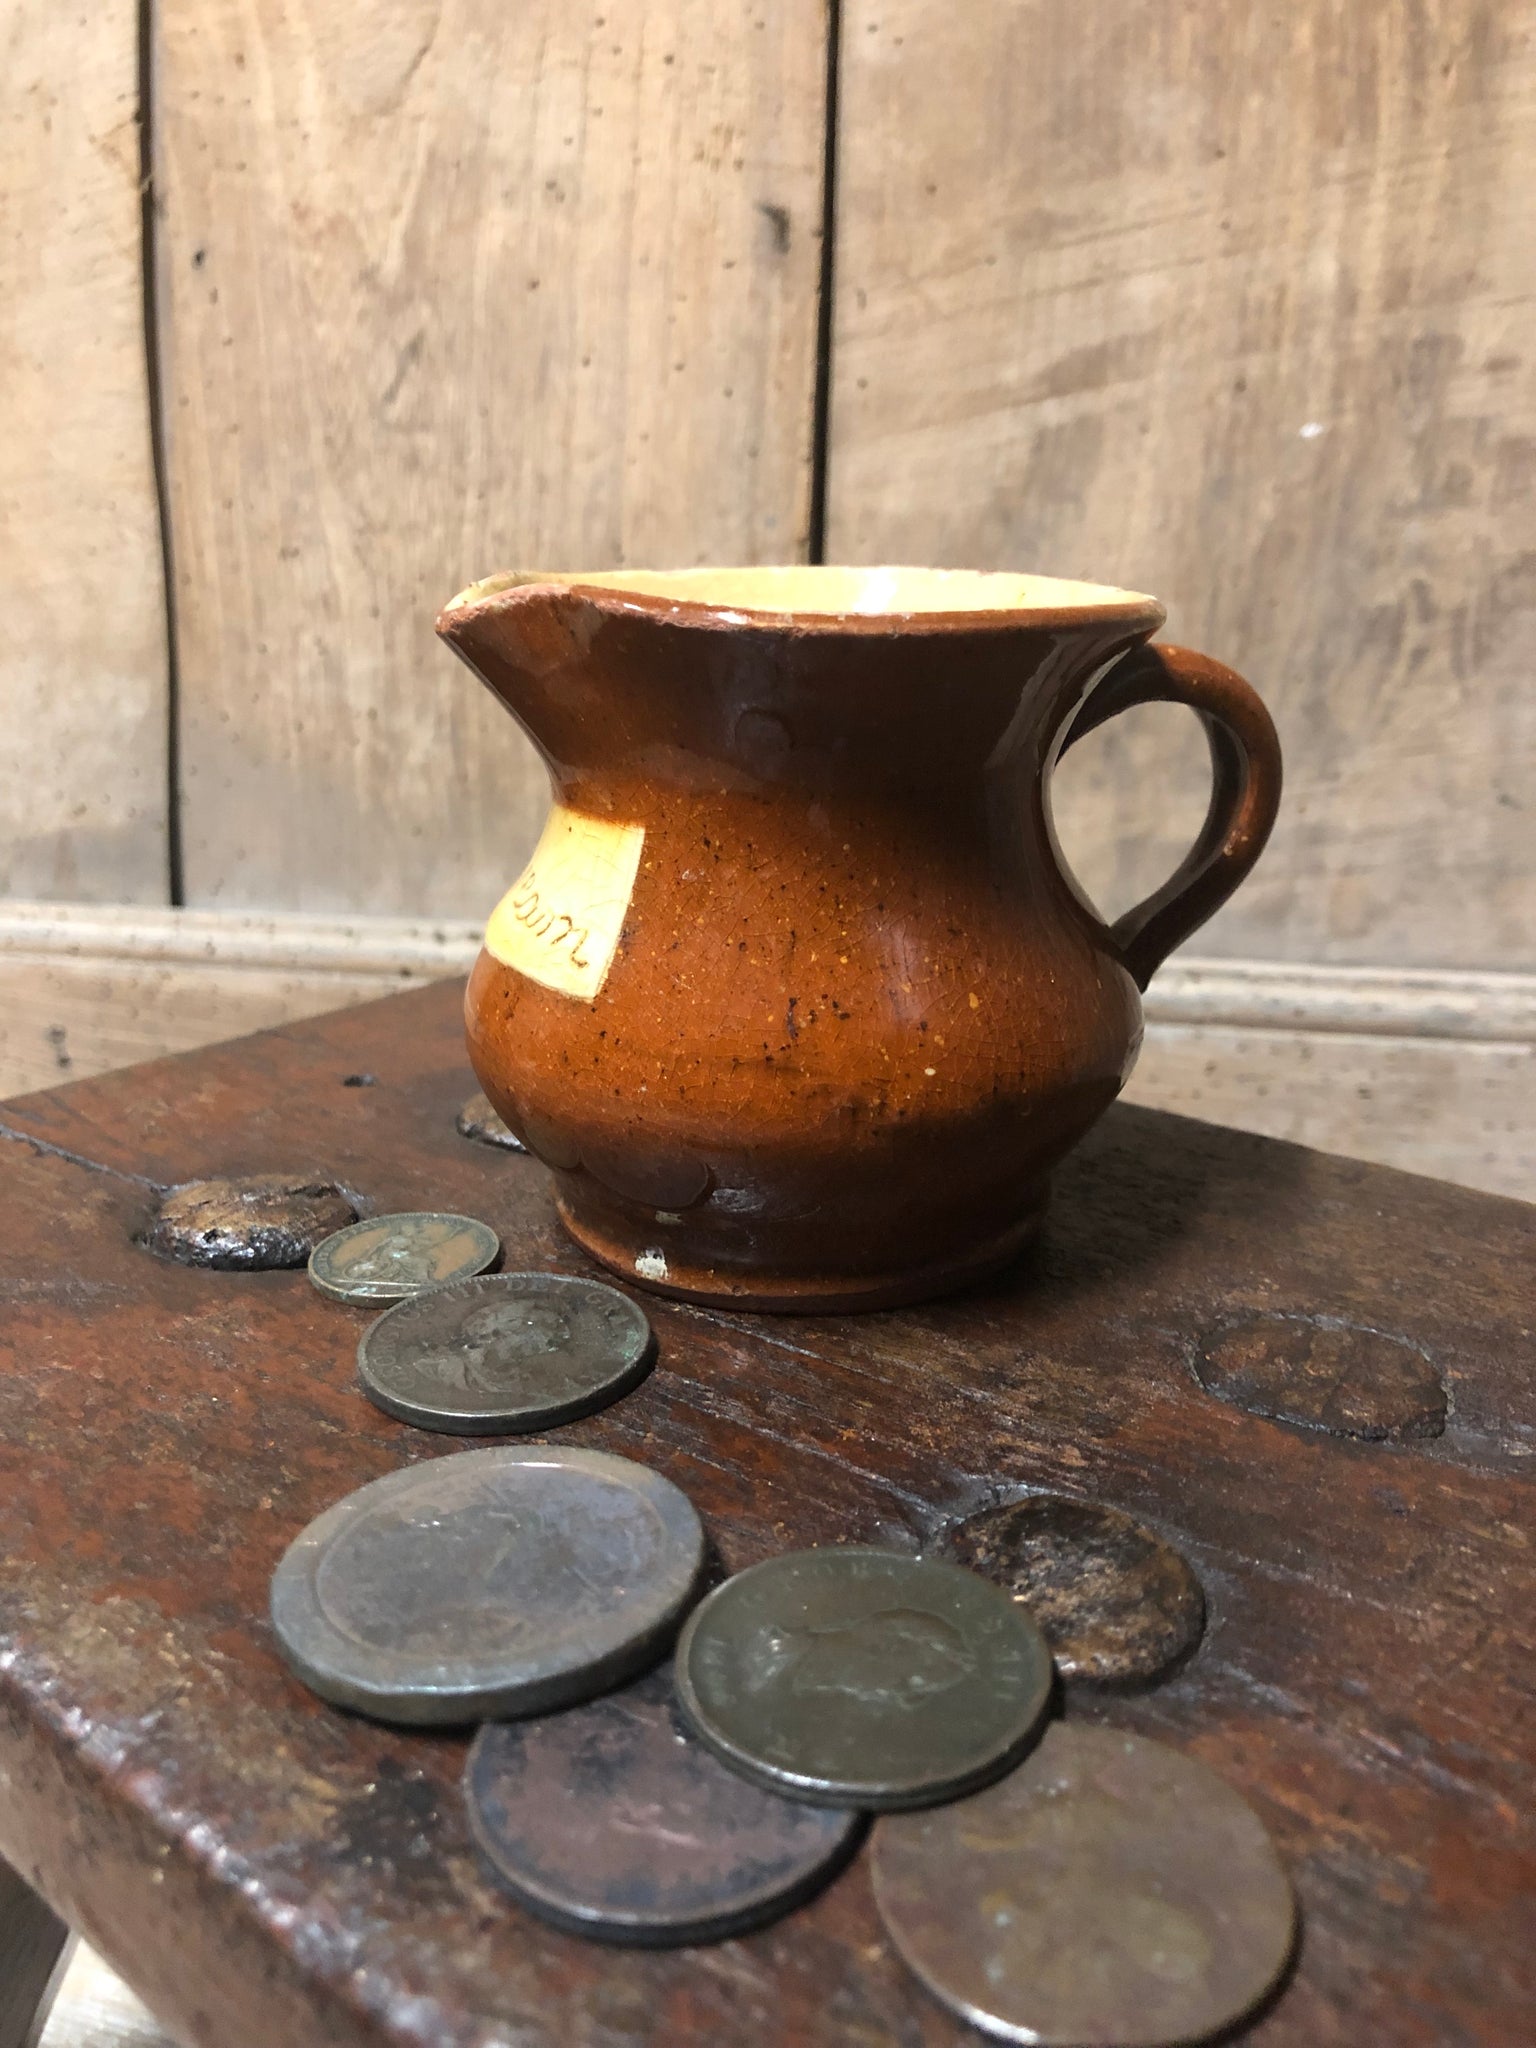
515	629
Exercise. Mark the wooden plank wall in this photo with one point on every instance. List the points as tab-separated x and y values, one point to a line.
452	286
83	698
1233	305
1230	305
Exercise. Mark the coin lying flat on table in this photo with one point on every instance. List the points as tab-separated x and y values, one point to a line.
1117	1603
388	1258
614	1820
1110	1893
505	1352
493	1582
478	1120
258	1223
856	1677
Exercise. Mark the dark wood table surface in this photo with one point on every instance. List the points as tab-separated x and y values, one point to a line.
270	1873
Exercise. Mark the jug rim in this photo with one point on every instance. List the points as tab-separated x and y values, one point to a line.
876	599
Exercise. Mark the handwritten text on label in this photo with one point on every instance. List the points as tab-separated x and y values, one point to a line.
560	921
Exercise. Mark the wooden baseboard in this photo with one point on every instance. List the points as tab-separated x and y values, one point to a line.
1430	1069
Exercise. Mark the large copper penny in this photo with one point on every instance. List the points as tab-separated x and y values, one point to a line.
855	1677
1110	1893
615	1821
1118	1605
495	1582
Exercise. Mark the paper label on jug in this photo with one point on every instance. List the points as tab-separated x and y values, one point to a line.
560	921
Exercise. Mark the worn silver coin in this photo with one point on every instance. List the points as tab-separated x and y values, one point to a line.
1110	1893
388	1258
614	1820
858	1677
504	1353
488	1584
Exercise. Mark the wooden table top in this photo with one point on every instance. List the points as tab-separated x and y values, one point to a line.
265	1870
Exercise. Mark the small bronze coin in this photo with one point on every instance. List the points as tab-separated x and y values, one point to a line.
504	1353
614	1821
387	1258
1118	1605
856	1677
479	1121
260	1223
490	1583
1109	1893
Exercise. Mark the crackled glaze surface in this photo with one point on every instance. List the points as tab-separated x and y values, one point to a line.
823	1041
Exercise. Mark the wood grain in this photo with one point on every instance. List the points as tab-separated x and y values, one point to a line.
1463	1112
95	2009
82	652
266	1870
1233	306
453	286
85	992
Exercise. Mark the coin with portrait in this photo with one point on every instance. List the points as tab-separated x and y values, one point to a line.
861	1677
503	1353
387	1258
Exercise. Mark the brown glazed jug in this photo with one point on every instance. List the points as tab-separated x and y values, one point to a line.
796	998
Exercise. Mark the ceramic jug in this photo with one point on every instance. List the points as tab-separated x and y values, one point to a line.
796	998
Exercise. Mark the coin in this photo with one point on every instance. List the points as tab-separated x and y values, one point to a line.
856	1677
1118	1605
1109	1893
478	1120
255	1224
386	1258
492	1582
505	1352
614	1821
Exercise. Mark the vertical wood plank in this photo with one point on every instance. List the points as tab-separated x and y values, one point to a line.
82	614
1233	305
456	286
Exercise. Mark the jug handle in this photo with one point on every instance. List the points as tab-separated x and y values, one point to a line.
1245	790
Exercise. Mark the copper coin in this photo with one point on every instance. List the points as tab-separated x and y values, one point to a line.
1109	1893
855	1677
493	1582
1118	1605
614	1820
387	1258
504	1353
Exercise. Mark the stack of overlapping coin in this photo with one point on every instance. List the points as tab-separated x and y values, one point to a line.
1080	1886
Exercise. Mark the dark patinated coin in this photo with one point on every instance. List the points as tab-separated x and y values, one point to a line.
1118	1605
614	1821
505	1352
856	1677
388	1258
493	1582
478	1120
259	1223
1109	1893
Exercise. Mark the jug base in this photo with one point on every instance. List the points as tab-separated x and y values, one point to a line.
659	1270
